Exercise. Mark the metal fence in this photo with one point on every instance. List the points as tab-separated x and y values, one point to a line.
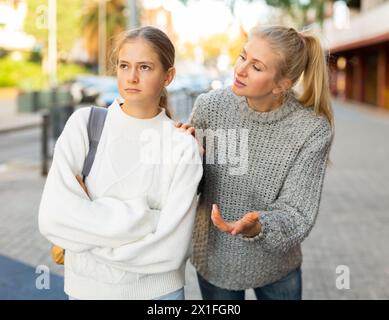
181	103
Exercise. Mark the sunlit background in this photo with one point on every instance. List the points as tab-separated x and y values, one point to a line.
39	48
55	58
45	43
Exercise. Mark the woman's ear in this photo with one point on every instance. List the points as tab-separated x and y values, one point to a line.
169	76
282	86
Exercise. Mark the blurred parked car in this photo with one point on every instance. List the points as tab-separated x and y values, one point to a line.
108	94
88	88
102	91
192	82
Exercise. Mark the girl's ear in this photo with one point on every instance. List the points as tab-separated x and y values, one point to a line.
169	76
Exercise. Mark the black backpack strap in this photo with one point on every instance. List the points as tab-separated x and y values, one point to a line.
95	128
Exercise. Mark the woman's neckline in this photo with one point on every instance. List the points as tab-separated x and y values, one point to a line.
289	105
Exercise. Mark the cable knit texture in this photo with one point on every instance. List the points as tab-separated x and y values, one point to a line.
287	151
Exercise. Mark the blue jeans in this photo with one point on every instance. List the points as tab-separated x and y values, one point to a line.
287	288
175	295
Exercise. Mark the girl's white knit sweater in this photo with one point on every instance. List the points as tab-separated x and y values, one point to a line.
130	238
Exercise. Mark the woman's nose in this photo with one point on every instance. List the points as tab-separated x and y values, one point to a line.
241	69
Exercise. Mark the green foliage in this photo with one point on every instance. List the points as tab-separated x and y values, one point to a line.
28	72
116	22
68	22
298	9
29	75
36	19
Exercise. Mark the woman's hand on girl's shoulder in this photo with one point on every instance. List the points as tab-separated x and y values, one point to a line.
189	129
186	127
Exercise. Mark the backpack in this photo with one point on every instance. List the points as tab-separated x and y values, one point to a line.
95	128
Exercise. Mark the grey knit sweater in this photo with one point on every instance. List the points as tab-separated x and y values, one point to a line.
287	152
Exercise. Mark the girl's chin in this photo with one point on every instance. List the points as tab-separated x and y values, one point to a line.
131	97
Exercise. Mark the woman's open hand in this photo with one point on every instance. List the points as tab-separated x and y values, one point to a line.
248	225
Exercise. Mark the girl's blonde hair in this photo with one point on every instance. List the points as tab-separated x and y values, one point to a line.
301	55
162	45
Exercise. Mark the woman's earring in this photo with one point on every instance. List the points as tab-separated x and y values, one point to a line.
286	94
281	97
278	97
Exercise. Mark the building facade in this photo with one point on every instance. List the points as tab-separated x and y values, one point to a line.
359	54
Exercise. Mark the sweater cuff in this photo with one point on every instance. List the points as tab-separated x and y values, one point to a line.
252	239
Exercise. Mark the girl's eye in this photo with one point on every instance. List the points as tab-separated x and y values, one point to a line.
145	67
123	66
256	68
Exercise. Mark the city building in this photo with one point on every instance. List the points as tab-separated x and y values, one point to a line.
358	47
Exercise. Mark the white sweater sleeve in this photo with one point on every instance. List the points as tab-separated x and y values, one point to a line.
68	218
166	248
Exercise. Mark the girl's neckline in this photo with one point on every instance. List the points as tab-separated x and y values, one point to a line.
118	105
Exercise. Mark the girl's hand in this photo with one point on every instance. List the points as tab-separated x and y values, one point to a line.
82	184
248	225
189	129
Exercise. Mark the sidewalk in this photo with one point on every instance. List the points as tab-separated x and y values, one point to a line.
11	120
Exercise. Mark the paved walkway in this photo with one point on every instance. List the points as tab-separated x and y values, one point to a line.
352	227
351	230
10	119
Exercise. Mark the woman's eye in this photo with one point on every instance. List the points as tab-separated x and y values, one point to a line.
256	68
123	66
242	57
145	67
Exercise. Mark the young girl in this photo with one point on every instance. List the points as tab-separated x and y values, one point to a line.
249	226
126	232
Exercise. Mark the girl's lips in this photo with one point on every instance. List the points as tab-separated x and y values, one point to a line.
239	84
132	90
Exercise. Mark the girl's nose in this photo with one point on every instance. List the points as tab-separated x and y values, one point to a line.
133	77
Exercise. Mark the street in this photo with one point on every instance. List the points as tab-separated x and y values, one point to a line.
21	145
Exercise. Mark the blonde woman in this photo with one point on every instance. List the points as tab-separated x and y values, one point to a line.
250	222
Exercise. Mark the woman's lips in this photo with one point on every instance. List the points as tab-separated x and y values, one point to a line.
239	84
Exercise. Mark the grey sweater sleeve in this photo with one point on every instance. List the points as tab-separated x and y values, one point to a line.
198	116
288	220
198	119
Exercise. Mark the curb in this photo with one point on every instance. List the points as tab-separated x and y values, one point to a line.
9	129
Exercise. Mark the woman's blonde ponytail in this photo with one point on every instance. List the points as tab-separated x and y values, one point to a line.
316	91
